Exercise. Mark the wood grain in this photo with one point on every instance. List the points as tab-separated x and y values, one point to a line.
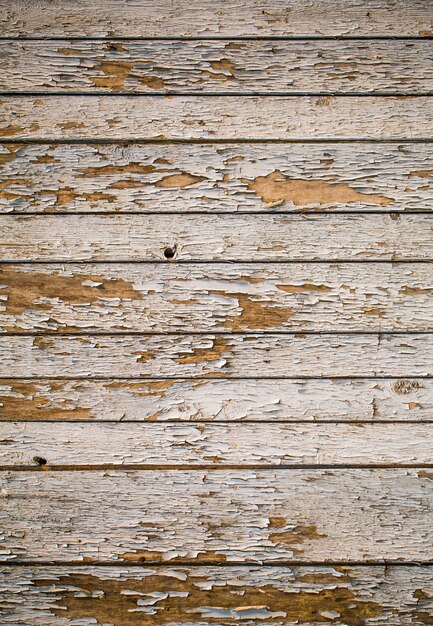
221	18
268	404
215	178
216	297
280	400
259	66
243	445
294	237
147	596
190	356
215	118
267	516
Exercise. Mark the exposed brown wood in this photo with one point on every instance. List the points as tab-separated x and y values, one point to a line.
215	178
239	372
219	515
329	400
215	297
258	66
147	596
228	356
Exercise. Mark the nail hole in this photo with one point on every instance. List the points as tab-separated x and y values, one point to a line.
39	460
169	253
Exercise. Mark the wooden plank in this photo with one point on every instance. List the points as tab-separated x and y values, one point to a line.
215	178
215	118
134	596
189	445
294	237
319	400
260	66
221	18
267	516
216	297
228	356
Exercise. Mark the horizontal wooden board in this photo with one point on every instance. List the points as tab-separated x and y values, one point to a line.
146	596
215	178
259	66
267	516
215	117
294	237
243	445
216	297
397	399
216	355
221	18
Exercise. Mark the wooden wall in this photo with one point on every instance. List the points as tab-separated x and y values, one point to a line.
216	310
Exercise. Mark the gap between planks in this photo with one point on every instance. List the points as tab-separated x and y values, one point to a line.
206	333
239	140
219	94
208	467
189	422
220	564
187	262
218	378
307	212
342	38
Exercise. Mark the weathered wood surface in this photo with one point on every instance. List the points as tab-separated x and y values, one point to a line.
281	488
215	177
216	297
259	66
294	237
189	445
221	18
215	117
319	400
263	515
188	356
189	596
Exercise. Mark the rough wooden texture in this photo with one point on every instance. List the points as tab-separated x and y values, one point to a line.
215	117
215	177
294	237
220	18
243	445
319	400
217	355
279	399
218	515
259	66
190	596
216	297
